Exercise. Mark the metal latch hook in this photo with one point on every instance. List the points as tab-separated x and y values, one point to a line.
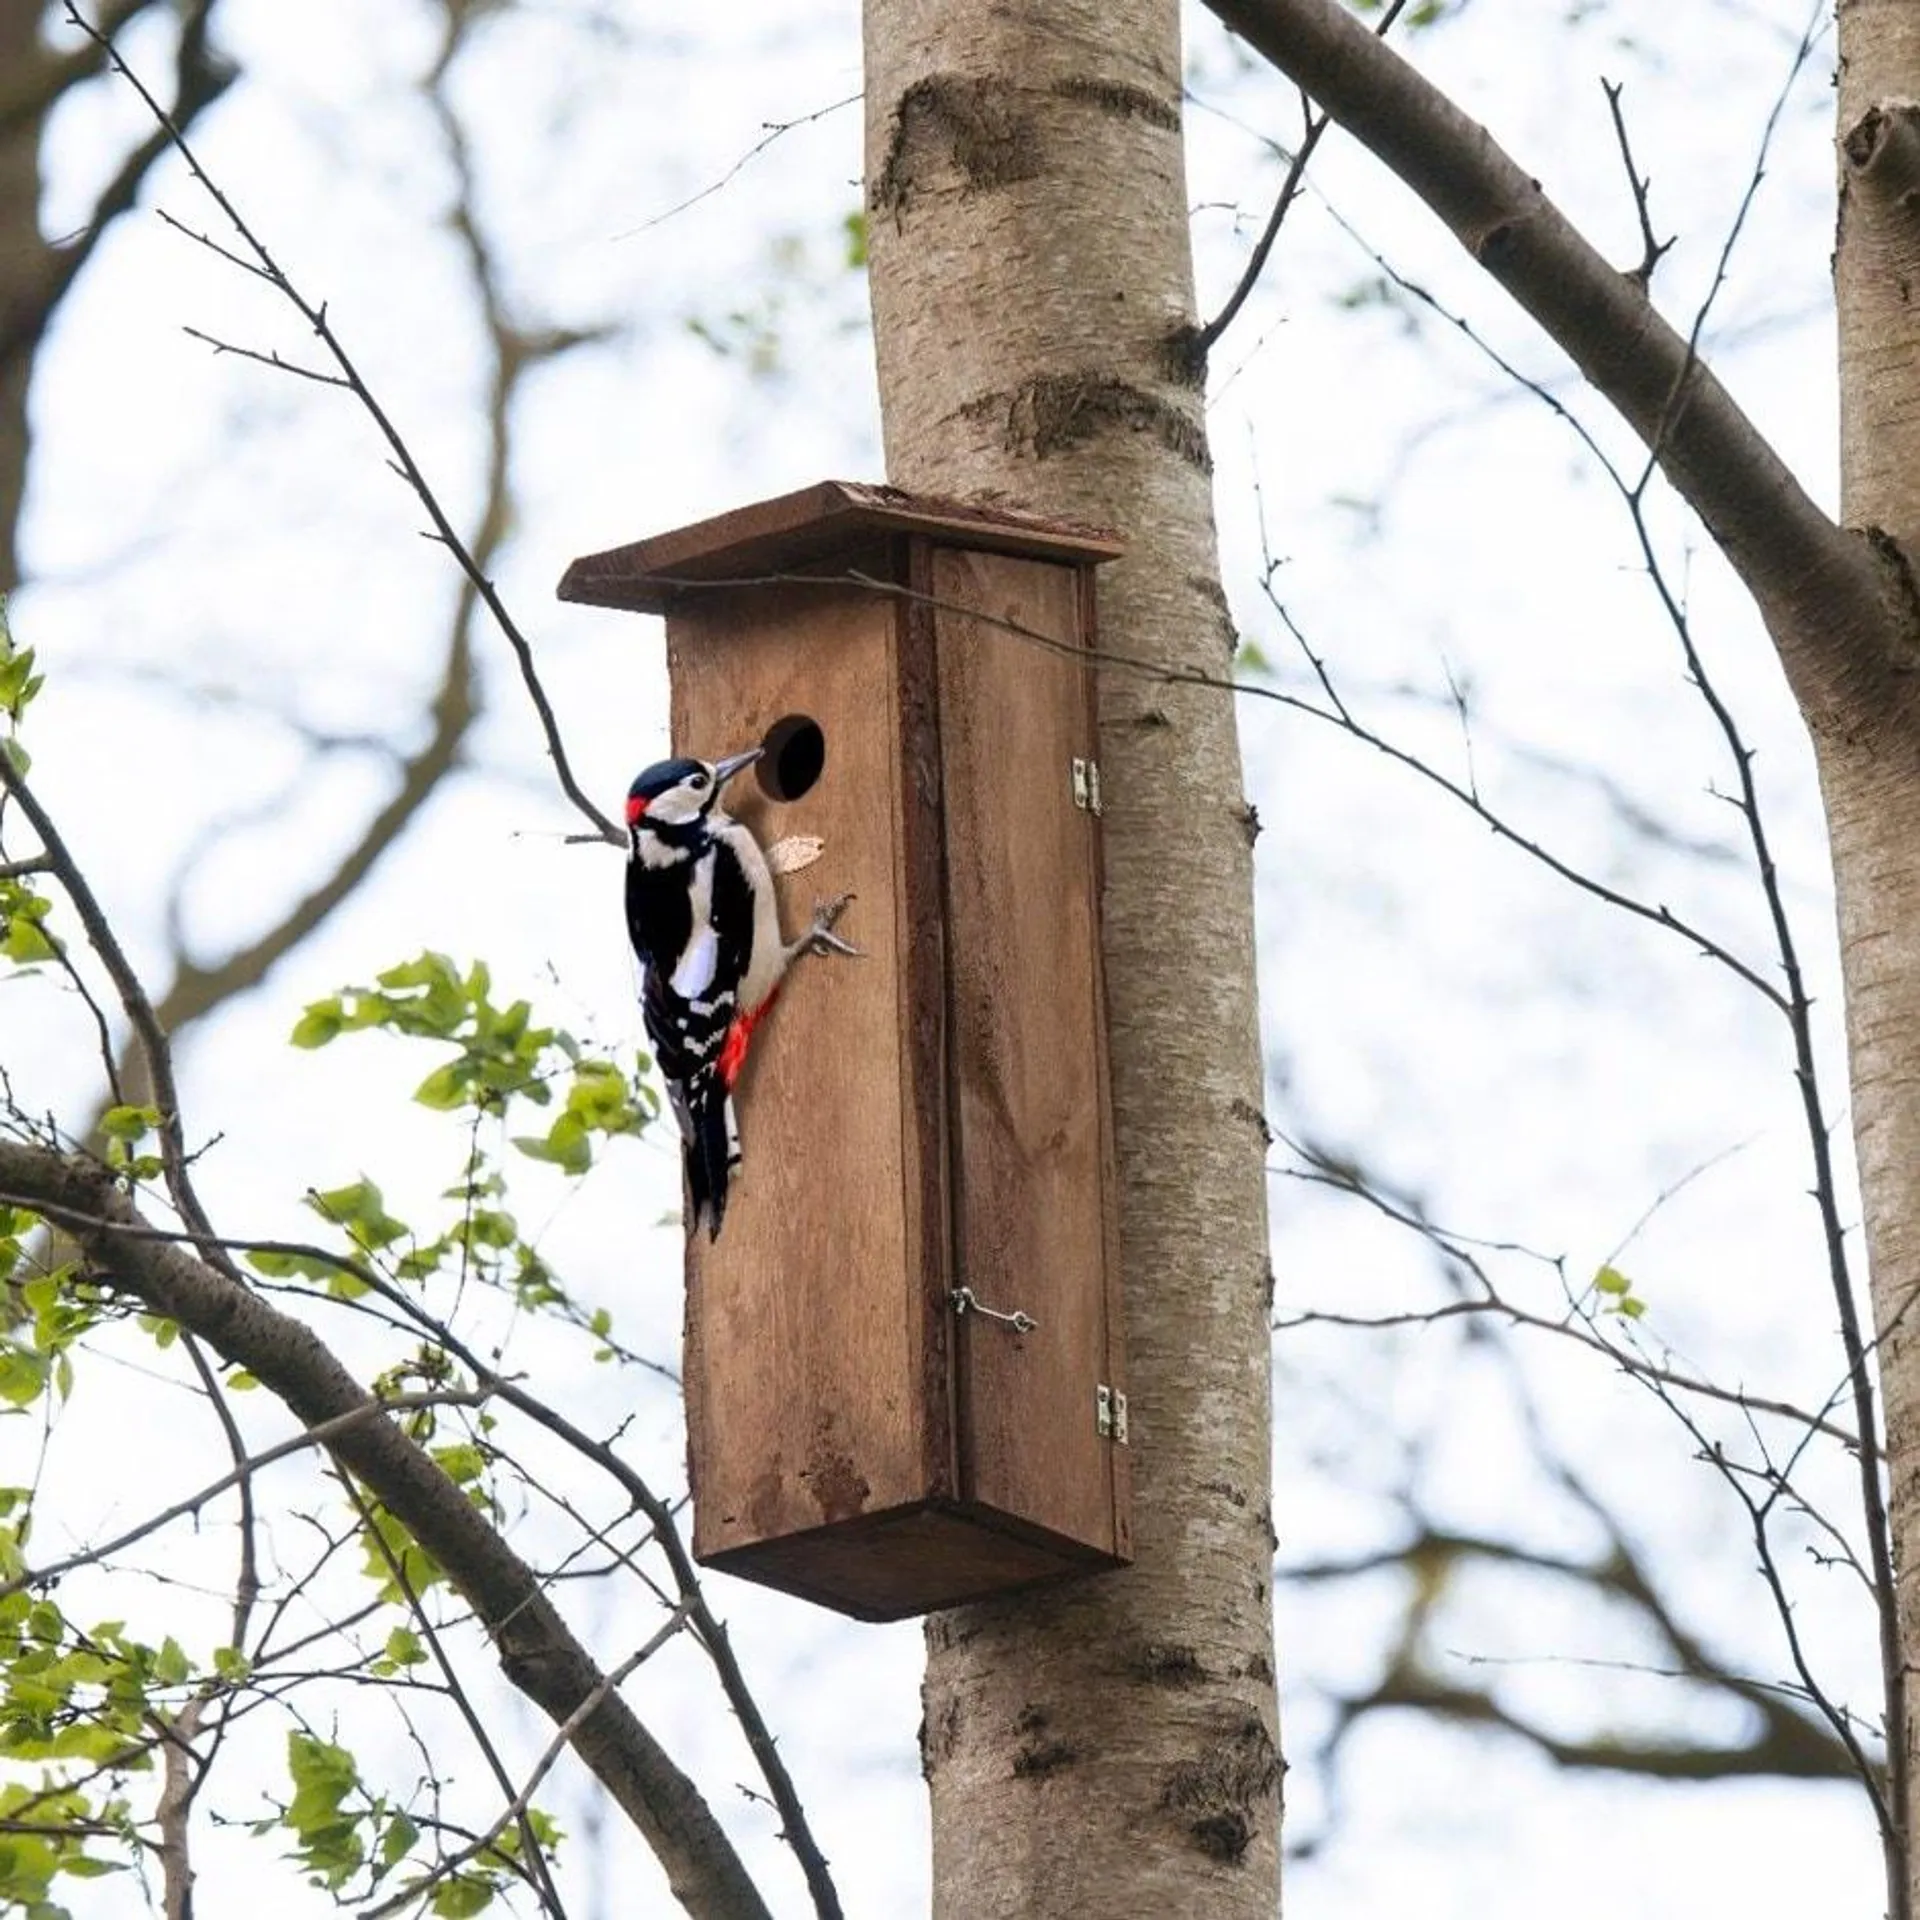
965	1300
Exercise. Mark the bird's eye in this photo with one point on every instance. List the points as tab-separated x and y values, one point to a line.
697	781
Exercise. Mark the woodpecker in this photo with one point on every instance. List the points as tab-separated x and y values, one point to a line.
704	921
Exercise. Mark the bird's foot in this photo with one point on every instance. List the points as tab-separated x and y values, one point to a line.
820	936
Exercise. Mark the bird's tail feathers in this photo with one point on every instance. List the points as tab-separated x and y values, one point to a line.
712	1142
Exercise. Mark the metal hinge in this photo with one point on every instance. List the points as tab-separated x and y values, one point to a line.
1086	786
1110	1414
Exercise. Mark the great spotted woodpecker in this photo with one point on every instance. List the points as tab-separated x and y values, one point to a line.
703	918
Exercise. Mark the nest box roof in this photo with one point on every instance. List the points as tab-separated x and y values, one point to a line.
802	529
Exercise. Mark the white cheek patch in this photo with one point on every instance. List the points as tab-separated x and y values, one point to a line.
655	852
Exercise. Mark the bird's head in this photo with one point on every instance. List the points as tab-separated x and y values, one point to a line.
680	793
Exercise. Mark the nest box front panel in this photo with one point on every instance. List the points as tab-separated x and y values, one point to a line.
1032	1212
801	1367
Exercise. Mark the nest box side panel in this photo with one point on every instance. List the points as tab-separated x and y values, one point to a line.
1032	1148
803	1386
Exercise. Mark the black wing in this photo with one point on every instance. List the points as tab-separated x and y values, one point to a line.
688	1031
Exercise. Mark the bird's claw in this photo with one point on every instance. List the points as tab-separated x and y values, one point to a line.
820	937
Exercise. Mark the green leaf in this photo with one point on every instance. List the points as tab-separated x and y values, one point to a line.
25	945
461	1461
361	1209
854	228
23	1375
387	1546
18	681
399	1840
129	1123
323	1021
1612	1280
324	1776
444	1088
566	1145
276	1265
464	1894
404	1648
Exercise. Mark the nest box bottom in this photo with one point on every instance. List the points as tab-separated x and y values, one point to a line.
910	1560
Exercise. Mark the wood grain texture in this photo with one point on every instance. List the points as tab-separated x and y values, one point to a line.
890	1566
814	528
931	1115
1025	1044
801	1380
924	1056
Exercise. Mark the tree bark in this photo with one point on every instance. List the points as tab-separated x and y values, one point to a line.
537	1650
1870	766
1114	1740
22	249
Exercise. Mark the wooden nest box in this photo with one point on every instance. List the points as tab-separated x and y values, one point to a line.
904	1352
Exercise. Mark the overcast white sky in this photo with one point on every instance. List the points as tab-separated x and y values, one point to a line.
220	560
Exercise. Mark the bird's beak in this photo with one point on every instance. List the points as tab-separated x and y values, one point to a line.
724	770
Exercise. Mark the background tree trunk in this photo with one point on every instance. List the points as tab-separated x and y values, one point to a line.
22	258
1870	757
1032	290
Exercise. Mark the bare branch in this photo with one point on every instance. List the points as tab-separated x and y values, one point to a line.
1652	251
315	315
534	1866
1505	1310
538	1652
272	360
171	1813
149	1035
1829	600
521	1803
773	130
1314	125
315	1436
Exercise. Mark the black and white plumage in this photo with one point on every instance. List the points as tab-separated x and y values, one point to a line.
705	923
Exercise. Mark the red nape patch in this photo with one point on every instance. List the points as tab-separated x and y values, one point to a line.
636	806
733	1049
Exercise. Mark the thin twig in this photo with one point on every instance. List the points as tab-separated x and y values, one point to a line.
534	1865
772	130
1826	1192
404	463
272	360
520	1806
154	1050
1504	1309
711	1632
1651	250
42	1577
1314	125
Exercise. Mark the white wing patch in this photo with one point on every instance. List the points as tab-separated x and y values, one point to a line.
694	975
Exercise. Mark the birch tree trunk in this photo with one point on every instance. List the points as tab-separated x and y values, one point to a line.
1869	757
1113	1740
